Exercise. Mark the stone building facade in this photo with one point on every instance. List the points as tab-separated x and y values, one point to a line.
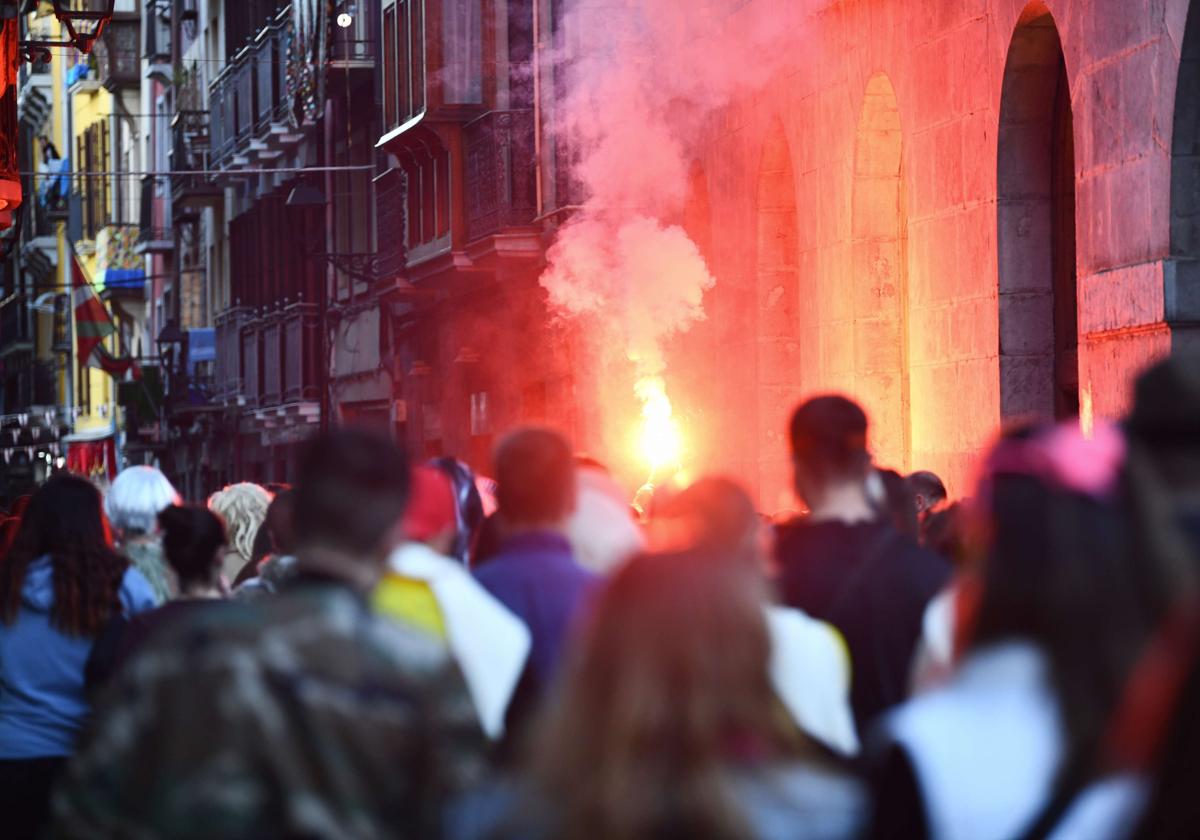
960	212
964	212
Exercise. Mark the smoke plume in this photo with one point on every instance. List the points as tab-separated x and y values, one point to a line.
643	76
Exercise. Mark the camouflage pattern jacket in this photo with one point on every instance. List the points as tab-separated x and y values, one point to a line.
300	715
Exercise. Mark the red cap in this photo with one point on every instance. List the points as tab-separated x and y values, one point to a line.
430	506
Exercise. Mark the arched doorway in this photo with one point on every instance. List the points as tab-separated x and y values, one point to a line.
777	291
1039	337
1183	272
879	227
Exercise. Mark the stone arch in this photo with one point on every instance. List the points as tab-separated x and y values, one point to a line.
879	231
1182	293
777	292
1038	309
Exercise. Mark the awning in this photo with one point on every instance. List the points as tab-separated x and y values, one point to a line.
95	459
122	278
202	347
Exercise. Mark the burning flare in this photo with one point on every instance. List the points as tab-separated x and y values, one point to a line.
660	438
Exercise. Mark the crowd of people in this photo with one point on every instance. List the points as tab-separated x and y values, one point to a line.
398	649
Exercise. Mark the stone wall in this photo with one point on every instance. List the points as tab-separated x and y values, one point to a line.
858	224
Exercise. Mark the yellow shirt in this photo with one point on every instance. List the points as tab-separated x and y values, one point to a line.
411	602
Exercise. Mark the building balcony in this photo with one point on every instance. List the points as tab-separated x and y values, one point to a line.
16	326
250	104
269	363
250	352
82	78
35	388
120	270
271	384
156	44
302	353
152	240
152	237
431	74
229	387
193	187
500	175
35	100
353	48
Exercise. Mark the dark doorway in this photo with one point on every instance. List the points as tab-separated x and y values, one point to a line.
1039	336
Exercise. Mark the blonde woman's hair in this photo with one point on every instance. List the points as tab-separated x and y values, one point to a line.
243	507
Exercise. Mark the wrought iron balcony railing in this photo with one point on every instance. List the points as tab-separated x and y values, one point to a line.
500	186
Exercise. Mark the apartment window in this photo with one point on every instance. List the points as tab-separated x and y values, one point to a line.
403	61
462	52
91	149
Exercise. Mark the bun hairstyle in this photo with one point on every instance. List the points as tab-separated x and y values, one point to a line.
829	436
191	537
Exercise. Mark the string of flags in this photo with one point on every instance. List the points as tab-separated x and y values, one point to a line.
49	452
31	425
34	434
47	417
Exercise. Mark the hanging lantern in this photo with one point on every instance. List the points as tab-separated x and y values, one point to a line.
84	21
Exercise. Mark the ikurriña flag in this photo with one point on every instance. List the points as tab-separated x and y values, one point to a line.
93	324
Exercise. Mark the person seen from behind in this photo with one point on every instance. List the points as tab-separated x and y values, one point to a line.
136	497
846	565
602	531
300	715
60	584
274	559
1165	424
427	588
534	572
929	492
193	540
899	504
243	507
666	724
809	664
468	506
1015	744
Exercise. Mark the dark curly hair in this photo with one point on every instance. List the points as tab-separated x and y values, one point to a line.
64	521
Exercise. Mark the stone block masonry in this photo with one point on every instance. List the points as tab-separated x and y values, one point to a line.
907	217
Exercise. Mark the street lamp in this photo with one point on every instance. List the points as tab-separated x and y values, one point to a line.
85	21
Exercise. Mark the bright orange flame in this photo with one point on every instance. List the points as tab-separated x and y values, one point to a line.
660	438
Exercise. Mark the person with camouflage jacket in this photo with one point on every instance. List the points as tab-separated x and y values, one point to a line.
300	715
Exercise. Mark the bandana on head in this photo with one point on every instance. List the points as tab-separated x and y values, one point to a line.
1064	458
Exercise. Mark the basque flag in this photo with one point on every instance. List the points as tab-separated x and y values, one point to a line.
93	324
